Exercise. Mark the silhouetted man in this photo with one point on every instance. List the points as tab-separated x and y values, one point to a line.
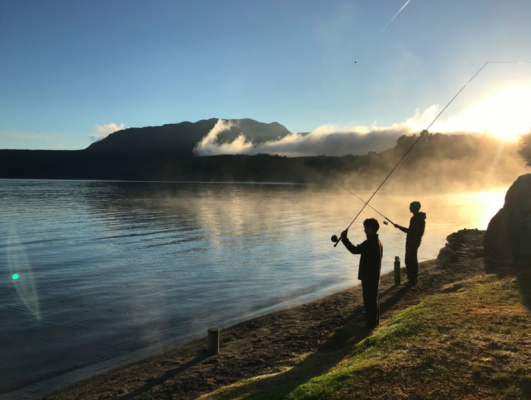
371	252
417	224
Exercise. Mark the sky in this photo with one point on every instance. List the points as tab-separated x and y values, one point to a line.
75	71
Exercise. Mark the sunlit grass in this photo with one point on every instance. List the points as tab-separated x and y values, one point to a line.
471	341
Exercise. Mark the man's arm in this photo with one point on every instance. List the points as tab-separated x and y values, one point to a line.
405	230
352	248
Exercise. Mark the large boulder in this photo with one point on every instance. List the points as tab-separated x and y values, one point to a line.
508	237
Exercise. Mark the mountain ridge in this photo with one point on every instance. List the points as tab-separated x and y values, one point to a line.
181	138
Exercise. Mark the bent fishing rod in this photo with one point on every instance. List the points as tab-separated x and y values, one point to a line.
335	239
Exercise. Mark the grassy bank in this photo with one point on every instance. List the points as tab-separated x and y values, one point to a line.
471	340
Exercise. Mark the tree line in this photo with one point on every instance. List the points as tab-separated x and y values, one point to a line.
442	161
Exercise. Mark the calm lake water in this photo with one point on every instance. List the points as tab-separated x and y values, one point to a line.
110	271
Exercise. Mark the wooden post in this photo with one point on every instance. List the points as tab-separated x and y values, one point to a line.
213	341
397	271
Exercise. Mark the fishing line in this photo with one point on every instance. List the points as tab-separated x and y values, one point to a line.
363	201
423	132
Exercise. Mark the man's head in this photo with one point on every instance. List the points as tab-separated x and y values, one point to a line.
414	207
371	226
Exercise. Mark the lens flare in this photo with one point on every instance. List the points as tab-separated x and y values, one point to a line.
17	260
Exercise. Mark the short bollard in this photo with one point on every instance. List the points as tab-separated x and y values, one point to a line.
397	271
213	341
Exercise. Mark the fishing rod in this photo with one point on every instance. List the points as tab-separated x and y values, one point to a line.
335	239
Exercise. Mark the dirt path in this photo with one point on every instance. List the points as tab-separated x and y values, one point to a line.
275	341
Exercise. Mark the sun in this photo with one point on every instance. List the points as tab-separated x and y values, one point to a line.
505	114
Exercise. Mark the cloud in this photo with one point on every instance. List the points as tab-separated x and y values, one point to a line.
208	146
503	114
102	131
325	140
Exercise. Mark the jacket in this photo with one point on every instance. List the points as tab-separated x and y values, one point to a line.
417	224
371	252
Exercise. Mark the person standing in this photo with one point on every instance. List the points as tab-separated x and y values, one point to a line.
371	251
417	225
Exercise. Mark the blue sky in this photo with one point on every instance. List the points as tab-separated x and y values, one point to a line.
68	66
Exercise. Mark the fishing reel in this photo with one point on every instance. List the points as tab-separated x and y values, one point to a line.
335	240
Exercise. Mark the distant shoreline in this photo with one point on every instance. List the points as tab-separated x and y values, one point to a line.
445	162
155	181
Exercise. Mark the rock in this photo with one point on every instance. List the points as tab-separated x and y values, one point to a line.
466	243
508	237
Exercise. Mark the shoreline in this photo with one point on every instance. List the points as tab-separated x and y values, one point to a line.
272	342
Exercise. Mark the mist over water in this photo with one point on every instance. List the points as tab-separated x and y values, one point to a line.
123	269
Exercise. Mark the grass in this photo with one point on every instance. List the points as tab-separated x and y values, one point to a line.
471	341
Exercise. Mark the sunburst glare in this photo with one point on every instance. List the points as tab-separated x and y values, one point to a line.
504	114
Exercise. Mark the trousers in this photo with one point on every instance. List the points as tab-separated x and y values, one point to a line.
371	301
412	262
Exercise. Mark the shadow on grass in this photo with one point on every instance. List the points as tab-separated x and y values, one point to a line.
524	282
517	271
336	348
167	375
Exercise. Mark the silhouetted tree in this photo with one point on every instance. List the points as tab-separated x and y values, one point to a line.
525	148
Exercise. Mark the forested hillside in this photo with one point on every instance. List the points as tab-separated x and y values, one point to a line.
436	162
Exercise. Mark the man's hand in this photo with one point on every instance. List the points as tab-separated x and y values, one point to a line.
344	234
396	225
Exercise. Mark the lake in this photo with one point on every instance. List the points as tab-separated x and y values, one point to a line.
97	273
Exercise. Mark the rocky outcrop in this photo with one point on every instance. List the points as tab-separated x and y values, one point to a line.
508	237
461	245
